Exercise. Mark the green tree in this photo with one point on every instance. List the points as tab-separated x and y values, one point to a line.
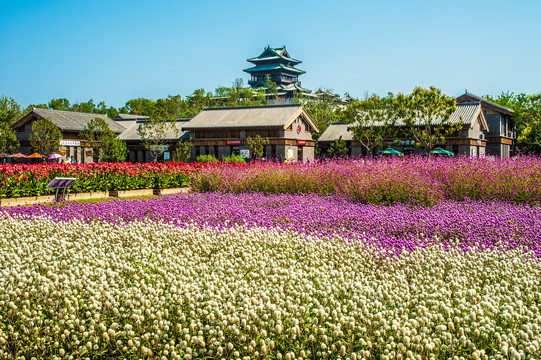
155	134
272	89
112	112
338	147
183	151
373	121
141	106
426	114
10	110
35	106
106	145
85	107
59	104
45	137
8	138
322	112
257	145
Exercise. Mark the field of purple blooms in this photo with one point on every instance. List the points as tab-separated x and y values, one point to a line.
416	180
394	228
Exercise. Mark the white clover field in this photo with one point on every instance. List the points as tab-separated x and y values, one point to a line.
252	276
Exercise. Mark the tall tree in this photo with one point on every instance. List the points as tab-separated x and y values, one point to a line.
45	137
338	147
257	145
8	138
272	88
155	134
60	104
426	114
140	106
10	110
373	121
322	112
85	107
106	145
182	152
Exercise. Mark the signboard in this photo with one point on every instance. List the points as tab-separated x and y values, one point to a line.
245	153
70	142
234	142
60	183
299	129
167	155
290	153
301	142
159	147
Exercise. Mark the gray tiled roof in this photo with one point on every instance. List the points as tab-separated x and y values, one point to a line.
132	125
131	117
244	117
334	131
75	121
483	100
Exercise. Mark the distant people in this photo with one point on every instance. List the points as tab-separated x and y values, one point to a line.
73	161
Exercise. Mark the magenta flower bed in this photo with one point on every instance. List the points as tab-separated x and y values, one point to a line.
416	180
394	228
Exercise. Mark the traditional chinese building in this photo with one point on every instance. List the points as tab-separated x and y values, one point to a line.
70	124
276	65
224	131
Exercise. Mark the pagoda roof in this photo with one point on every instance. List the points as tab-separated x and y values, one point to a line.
274	67
274	54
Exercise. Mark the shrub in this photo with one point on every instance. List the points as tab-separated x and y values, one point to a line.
206	158
234	159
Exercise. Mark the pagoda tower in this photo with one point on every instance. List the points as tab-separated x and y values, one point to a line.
276	65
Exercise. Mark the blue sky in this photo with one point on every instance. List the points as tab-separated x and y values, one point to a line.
119	50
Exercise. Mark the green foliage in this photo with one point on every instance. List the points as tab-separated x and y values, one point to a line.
10	110
373	121
257	145
323	112
426	114
155	133
107	147
183	150
59	104
527	118
272	89
8	138
234	159
338	147
113	149
206	158
45	137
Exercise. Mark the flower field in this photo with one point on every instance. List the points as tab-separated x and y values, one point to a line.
31	180
415	180
251	276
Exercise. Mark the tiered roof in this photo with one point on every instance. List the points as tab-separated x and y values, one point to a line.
275	54
275	59
269	67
